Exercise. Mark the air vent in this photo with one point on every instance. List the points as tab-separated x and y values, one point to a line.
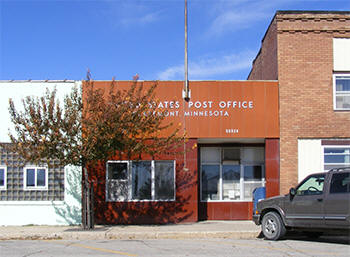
231	155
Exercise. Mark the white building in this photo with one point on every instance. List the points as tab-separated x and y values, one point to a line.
32	194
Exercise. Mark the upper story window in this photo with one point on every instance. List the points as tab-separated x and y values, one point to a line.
35	178
140	180
341	92
3	177
341	78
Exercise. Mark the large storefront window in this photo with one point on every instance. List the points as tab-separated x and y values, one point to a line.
336	157
231	174
140	180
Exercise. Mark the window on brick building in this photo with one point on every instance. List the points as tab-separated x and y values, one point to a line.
336	157
341	92
341	69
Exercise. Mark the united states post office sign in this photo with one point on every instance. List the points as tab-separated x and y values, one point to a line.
217	109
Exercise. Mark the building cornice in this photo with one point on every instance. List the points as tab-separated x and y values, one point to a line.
306	31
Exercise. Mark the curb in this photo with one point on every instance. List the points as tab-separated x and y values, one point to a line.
131	235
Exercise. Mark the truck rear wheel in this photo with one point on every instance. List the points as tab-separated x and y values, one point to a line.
272	226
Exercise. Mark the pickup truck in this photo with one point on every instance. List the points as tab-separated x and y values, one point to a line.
320	203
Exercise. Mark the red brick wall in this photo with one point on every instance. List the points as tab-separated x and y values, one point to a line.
305	69
265	64
183	209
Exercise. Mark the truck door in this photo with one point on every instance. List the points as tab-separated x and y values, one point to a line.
306	208
337	200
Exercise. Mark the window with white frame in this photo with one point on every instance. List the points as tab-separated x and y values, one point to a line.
336	157
3	177
140	180
35	178
341	94
231	174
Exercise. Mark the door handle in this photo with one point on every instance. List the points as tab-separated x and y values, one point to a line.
320	200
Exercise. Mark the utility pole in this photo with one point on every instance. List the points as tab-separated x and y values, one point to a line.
186	94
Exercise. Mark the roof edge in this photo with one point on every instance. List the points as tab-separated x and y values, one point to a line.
310	11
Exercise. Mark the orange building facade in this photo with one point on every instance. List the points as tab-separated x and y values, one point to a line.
232	148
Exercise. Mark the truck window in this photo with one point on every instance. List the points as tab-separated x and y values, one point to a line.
312	186
340	183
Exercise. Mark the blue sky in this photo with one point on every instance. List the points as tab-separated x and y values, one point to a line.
61	39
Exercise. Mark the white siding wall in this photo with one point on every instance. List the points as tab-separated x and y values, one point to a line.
65	212
310	157
341	54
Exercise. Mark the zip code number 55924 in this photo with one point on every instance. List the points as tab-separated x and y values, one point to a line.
232	131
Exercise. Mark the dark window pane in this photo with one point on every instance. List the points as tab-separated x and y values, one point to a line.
164	180
210	180
30	177
41	177
230	182
336	158
336	150
252	173
2	177
117	170
141	180
340	183
231	172
343	84
233	154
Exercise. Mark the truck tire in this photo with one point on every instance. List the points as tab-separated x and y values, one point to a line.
272	226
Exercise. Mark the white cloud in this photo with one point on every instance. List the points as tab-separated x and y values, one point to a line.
141	19
241	14
231	20
131	13
209	67
171	73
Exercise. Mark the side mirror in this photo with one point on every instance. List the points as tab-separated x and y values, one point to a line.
292	193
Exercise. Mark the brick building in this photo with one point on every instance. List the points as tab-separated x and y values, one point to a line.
308	52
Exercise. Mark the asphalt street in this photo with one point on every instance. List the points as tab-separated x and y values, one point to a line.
177	247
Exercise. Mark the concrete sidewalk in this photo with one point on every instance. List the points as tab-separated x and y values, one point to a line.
205	229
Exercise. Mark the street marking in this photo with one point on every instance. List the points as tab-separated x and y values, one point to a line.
93	248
